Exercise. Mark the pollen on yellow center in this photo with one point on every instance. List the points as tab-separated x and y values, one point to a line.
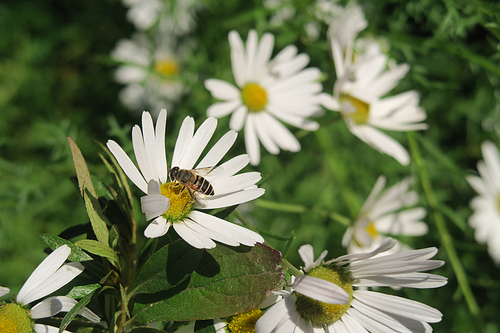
323	313
167	67
245	322
15	319
254	97
180	201
355	109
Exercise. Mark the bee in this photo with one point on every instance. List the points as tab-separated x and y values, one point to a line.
194	181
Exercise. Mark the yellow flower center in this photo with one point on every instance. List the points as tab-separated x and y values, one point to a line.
245	322
355	109
168	67
371	230
15	319
181	201
323	313
254	97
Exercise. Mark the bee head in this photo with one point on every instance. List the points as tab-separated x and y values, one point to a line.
172	173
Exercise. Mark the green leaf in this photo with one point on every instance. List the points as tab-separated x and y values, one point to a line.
99	249
76	252
204	326
146	330
74	311
124	298
82	172
226	281
82	291
89	194
167	267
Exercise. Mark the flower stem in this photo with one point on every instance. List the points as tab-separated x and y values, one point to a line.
287	265
446	238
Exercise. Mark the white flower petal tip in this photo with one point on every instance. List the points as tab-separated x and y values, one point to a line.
36	287
319	289
53	305
157	228
4	291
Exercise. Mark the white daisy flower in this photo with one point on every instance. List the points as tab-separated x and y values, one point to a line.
486	206
346	25
362	81
169	203
51	275
177	16
365	310
151	73
267	91
386	213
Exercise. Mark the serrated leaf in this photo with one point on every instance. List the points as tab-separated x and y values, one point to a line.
124	299
226	281
99	249
76	252
74	311
82	291
167	267
89	194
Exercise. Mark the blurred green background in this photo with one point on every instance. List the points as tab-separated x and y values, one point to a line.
56	80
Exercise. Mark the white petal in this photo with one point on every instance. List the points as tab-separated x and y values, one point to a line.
183	140
212	234
157	228
382	142
235	183
146	166
282	136
234	198
231	230
272	317
251	141
219	150
198	143
238	118
238	63
399	306
264	134
162	168
44	271
222	109
409	280
319	289
58	279
4	291
232	166
194	239
40	328
386	245
53	305
306	253
154	205
130	74
223	90
127	165
263	55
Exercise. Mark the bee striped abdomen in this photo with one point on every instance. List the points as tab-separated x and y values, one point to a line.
203	186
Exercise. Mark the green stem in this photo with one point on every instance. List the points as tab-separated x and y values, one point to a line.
286	264
446	238
244	220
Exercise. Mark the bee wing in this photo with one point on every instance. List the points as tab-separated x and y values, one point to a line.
207	171
198	197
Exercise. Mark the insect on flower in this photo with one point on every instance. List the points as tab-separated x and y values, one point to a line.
194	181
